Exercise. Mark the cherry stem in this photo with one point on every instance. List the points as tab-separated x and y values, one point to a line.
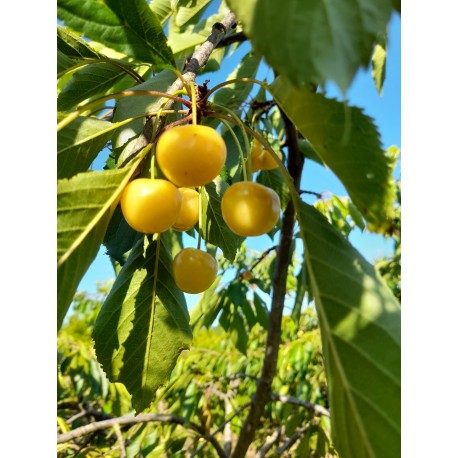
119	95
194	104
235	80
239	122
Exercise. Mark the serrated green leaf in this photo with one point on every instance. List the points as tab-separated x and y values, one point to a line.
238	332
143	325
261	311
185	11
79	143
64	62
310	41
301	289
360	328
119	237
131	28
73	46
379	63
307	150
183	39
92	80
162	9
348	142
214	229
84	207
207	305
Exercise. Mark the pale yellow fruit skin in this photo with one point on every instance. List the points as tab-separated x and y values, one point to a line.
250	209
191	155
189	211
194	270
150	206
256	152
261	159
267	161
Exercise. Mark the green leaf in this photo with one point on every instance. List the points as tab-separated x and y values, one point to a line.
85	204
79	143
379	63
92	80
73	46
301	290
119	237
130	107
307	150
360	328
186	10
332	38
274	179
161	8
131	28
348	142
214	229
206	310
143	325
182	40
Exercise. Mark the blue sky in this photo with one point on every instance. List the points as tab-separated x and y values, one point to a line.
385	109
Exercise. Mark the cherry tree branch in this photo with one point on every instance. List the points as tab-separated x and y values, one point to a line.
141	418
263	392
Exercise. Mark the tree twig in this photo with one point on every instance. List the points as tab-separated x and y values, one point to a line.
294	437
141	418
262	395
299	402
270	441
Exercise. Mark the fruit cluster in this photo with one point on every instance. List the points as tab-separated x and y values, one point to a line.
191	156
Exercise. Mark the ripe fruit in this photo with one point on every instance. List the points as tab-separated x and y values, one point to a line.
189	211
256	151
261	159
194	270
191	155
250	209
150	206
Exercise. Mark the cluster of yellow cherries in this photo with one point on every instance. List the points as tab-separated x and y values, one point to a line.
191	156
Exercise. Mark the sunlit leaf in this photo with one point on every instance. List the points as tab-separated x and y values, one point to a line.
73	46
84	207
130	107
162	8
379	63
188	10
131	28
92	80
79	143
311	41
360	327
143	325
348	142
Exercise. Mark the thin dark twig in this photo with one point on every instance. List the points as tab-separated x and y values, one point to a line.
258	261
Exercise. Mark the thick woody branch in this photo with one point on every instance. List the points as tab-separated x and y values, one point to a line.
263	392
